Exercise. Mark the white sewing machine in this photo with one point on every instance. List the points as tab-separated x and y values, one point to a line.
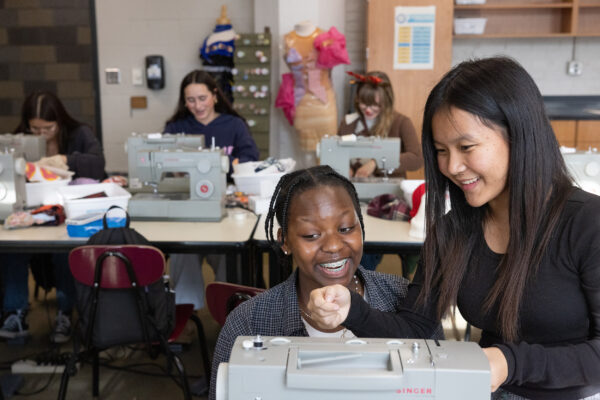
584	166
198	195
339	151
12	182
31	147
326	369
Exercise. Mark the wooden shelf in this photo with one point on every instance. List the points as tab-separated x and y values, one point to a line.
517	35
534	19
514	6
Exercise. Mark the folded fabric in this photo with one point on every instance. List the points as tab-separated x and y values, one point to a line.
118	179
49	215
36	173
19	219
416	199
331	46
389	206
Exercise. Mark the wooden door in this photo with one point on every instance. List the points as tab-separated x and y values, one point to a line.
411	87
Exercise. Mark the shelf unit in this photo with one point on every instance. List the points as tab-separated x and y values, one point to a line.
534	18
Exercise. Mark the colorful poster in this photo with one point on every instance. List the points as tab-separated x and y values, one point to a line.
414	32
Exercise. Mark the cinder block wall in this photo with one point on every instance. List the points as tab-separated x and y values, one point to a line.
45	44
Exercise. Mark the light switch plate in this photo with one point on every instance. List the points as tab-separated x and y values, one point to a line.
137	77
113	76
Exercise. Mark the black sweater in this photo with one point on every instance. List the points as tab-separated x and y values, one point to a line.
558	356
84	154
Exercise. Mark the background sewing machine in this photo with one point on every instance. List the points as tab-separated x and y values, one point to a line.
584	166
338	151
326	369
195	191
12	182
139	144
32	147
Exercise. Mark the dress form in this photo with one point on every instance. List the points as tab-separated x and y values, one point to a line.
316	116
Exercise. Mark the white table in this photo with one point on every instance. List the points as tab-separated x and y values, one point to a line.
230	236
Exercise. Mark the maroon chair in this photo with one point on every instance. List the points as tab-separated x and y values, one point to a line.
223	297
106	268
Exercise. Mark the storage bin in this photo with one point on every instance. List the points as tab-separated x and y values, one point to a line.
469	26
262	185
88	224
75	205
44	193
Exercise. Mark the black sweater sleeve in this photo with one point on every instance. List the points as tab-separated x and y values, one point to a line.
576	363
409	322
84	154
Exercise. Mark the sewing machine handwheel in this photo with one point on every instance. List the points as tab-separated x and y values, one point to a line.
20	166
225	164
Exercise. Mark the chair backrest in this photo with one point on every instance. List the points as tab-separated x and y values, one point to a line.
222	297
121	296
148	264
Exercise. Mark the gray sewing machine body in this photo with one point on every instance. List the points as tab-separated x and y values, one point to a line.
12	183
31	147
326	369
584	166
199	196
337	152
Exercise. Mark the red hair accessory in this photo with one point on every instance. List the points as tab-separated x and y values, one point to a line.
374	80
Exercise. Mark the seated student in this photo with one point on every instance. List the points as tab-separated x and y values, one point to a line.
203	109
519	251
71	145
375	116
321	229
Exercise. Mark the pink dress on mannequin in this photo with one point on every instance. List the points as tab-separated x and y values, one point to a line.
312	106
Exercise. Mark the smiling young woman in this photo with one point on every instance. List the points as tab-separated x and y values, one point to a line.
321	231
519	250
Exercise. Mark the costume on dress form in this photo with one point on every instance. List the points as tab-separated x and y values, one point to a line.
217	57
306	91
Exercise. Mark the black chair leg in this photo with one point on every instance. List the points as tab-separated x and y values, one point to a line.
69	371
200	387
203	346
95	373
187	394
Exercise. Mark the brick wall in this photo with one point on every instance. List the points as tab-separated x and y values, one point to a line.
45	44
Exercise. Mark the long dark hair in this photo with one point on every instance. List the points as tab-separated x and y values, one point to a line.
501	94
45	105
293	184
222	106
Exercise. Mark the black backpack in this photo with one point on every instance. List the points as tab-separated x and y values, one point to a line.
158	300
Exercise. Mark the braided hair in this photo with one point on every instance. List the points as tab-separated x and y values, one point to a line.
292	185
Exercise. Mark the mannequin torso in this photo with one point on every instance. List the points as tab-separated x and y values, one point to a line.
316	112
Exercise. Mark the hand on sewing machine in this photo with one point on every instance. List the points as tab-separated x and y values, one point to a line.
498	365
366	170
329	306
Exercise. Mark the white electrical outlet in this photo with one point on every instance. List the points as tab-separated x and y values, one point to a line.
574	68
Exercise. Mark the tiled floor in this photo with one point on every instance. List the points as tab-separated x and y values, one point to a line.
120	384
